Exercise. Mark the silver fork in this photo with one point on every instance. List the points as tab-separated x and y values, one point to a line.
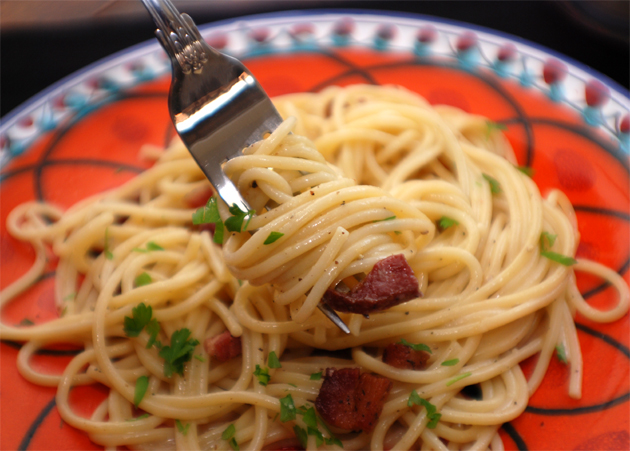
217	106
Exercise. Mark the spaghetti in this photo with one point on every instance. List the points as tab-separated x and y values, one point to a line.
367	172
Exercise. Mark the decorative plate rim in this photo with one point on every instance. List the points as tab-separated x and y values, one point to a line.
619	94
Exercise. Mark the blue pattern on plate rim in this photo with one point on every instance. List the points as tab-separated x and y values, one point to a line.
602	102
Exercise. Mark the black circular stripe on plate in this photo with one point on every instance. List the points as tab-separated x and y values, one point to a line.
79	115
26	440
48	352
596	407
514	435
84	161
605	338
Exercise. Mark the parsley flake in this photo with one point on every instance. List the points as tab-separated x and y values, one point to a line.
26	322
181	428
417	346
209	214
432	414
142	383
495	186
179	352
529	172
140	317
386	219
69	297
151	246
235	222
310	418
546	241
451	362
316	376
262	374
273	237
445	222
143	279
198	357
287	409
229	432
492	126
106	251
458	378
301	435
273	360
559	258
561	354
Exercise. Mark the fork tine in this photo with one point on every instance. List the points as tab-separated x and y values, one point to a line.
217	114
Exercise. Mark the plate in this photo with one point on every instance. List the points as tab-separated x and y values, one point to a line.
570	124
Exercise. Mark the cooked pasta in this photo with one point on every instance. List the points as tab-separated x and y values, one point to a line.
354	175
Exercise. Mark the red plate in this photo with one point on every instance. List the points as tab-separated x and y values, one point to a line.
94	146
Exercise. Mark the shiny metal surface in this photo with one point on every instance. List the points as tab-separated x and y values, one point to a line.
217	106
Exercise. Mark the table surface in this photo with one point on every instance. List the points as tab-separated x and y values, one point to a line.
42	43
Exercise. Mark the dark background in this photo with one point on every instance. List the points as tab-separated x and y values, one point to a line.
35	55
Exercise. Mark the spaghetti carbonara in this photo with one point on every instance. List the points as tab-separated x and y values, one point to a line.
207	331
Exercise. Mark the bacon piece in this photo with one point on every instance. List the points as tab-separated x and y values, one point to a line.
401	356
370	397
351	400
223	347
390	282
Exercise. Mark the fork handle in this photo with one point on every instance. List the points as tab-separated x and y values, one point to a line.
179	36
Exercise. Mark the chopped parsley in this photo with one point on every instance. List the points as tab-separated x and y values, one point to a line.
451	362
273	237
458	378
316	376
273	360
561	353
301	434
492	126
310	418
529	172
445	222
143	279
151	246
106	251
416	347
179	352
228	435
142	383
287	409
432	414
262	374
235	222
546	241
209	214
69	297
26	322
559	258
198	357
141	318
386	219
181	428
495	187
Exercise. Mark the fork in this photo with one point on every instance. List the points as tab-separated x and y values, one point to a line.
217	106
